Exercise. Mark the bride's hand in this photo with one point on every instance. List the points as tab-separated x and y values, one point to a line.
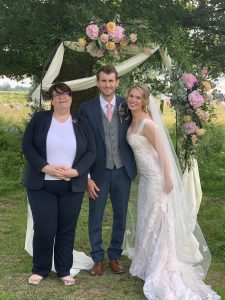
168	184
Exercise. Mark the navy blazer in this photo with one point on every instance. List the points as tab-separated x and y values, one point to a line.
92	111
34	150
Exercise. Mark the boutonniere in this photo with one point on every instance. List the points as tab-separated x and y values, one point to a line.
122	112
74	120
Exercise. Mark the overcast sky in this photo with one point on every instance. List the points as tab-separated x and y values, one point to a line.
13	83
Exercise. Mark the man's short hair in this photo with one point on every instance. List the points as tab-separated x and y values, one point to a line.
107	70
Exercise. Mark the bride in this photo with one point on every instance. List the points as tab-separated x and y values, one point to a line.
169	252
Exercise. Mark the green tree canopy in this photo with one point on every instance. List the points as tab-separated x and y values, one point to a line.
193	31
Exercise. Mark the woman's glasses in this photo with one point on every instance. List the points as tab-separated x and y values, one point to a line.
58	95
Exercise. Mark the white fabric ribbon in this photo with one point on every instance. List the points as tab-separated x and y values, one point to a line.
88	82
192	186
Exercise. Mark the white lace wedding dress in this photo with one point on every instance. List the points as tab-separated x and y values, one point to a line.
155	258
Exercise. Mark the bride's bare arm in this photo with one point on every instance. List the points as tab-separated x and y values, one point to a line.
151	133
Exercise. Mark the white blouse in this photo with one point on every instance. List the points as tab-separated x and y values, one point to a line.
61	145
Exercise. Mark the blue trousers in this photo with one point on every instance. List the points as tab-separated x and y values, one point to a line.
55	209
115	183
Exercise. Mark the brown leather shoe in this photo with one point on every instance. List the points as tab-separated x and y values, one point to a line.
97	269
116	267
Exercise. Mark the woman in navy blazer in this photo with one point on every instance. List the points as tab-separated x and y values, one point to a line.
59	147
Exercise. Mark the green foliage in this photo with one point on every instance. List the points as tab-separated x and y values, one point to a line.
194	34
26	43
11	159
211	157
149	74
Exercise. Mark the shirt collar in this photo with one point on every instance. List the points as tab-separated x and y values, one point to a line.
104	102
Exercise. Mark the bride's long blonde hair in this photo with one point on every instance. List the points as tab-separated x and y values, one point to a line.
144	95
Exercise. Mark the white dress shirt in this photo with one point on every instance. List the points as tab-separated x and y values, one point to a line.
104	103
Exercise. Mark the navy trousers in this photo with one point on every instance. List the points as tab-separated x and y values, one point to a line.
55	210
117	184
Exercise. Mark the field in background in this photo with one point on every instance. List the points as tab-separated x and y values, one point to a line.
15	263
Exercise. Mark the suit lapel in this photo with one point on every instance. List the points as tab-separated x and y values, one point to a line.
98	118
77	134
48	121
118	101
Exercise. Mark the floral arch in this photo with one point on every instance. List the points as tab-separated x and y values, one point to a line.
89	82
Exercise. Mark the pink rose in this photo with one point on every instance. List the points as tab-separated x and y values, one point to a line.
99	53
117	34
91	48
189	80
190	127
203	115
195	99
104	38
92	31
194	139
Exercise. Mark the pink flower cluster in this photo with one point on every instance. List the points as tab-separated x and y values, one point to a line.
190	127
195	99
190	99
189	80
117	34
92	31
106	32
107	38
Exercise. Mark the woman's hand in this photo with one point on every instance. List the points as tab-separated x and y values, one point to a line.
69	173
60	172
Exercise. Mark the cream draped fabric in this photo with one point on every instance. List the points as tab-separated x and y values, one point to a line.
88	82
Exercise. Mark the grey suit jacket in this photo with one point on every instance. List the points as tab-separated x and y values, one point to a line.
92	111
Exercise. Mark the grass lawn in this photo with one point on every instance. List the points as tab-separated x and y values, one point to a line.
15	263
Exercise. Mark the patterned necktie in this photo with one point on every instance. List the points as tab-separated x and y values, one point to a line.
109	112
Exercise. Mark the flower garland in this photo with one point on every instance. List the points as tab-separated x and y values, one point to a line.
110	39
190	99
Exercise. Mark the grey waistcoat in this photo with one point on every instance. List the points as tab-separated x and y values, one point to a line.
111	130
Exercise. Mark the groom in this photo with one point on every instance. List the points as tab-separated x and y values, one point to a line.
113	169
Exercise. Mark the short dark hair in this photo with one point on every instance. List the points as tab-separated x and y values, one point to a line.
108	69
59	87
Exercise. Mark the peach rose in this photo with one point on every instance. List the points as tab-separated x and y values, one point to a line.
206	85
200	132
187	118
123	43
82	42
104	38
111	26
110	45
